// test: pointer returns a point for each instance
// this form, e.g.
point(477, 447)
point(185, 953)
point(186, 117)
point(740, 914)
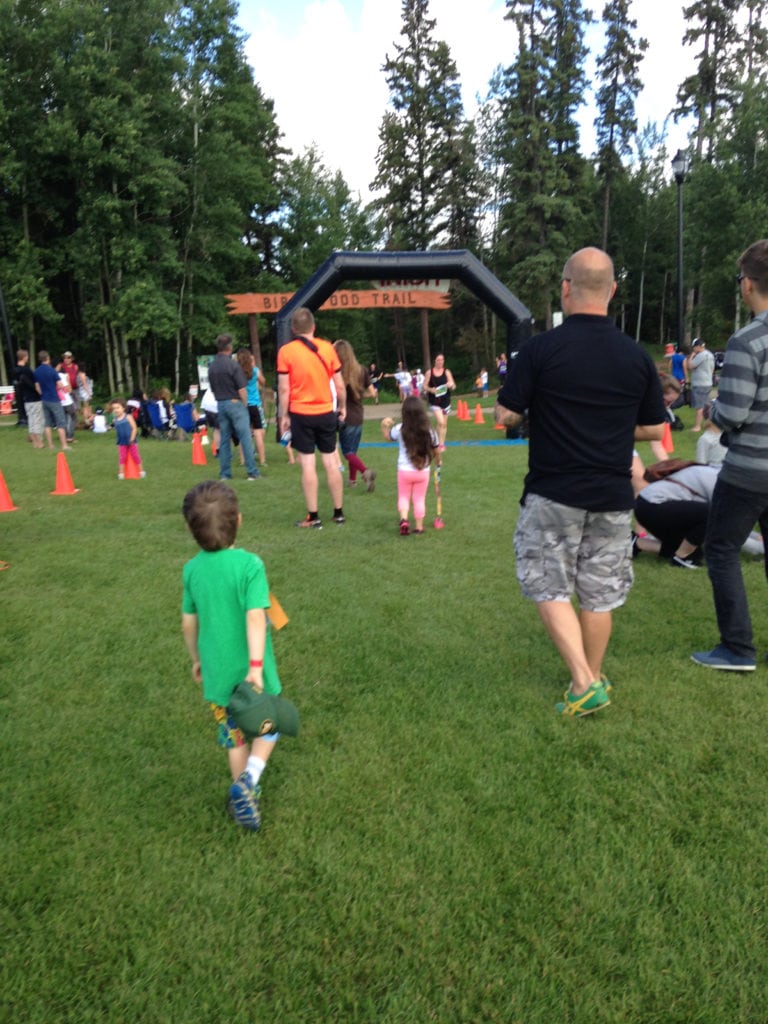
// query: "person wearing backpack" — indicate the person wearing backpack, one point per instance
point(312, 402)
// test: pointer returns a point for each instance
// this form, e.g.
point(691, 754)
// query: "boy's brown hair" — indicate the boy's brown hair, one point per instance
point(212, 514)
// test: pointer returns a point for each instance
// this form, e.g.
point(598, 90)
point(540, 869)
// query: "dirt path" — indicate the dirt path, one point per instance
point(378, 412)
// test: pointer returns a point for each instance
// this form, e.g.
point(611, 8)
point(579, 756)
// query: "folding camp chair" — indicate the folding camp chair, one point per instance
point(185, 424)
point(160, 427)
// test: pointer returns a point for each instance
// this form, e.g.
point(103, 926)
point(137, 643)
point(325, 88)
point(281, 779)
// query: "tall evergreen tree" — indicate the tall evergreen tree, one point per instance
point(709, 94)
point(727, 95)
point(426, 157)
point(546, 177)
point(752, 48)
point(616, 123)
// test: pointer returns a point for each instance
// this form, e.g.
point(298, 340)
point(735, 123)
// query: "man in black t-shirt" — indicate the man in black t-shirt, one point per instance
point(590, 392)
point(28, 402)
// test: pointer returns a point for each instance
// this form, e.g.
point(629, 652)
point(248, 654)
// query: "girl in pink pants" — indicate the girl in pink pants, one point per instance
point(125, 428)
point(418, 445)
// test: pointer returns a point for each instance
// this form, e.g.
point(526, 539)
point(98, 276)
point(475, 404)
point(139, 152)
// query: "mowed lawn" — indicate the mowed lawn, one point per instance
point(438, 845)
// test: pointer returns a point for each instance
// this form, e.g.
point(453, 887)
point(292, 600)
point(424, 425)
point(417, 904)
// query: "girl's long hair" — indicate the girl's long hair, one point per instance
point(244, 356)
point(416, 432)
point(351, 370)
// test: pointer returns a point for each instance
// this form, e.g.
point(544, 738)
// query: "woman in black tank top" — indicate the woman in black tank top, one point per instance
point(438, 385)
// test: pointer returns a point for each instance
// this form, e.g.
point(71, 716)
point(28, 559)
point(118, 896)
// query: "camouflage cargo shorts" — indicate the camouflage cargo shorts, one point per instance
point(562, 551)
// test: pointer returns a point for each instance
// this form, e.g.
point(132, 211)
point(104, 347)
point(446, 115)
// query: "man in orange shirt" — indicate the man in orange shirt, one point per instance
point(311, 400)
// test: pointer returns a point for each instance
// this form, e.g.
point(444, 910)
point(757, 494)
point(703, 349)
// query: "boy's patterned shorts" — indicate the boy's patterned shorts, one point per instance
point(229, 736)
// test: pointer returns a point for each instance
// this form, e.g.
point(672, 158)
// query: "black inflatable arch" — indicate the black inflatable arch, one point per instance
point(365, 266)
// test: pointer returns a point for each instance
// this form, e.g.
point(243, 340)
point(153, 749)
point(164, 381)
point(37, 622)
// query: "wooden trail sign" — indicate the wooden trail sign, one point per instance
point(373, 298)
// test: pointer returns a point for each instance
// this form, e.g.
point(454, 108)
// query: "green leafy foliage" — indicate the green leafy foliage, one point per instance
point(144, 178)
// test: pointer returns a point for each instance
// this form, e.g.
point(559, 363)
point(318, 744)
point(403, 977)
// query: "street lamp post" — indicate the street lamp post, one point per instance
point(679, 169)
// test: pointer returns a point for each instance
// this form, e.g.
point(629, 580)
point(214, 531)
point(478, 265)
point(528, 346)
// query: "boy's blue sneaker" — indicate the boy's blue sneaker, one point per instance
point(244, 803)
point(723, 657)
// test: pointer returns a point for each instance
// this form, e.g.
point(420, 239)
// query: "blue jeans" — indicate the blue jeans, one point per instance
point(349, 439)
point(234, 419)
point(732, 517)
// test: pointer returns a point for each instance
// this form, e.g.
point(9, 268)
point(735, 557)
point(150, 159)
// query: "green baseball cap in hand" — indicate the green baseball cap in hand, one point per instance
point(260, 713)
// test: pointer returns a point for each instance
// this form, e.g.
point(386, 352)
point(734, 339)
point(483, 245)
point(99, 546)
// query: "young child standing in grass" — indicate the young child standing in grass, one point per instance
point(224, 624)
point(418, 446)
point(125, 428)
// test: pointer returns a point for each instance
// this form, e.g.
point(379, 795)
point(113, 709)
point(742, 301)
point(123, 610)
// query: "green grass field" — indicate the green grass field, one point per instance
point(438, 846)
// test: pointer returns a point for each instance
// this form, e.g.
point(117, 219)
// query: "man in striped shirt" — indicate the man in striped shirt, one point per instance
point(741, 494)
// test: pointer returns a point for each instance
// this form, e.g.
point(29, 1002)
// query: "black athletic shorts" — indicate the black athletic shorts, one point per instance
point(313, 432)
point(254, 412)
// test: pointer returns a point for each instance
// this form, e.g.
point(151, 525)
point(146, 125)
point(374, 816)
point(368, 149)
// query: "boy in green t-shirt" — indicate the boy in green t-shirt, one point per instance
point(224, 624)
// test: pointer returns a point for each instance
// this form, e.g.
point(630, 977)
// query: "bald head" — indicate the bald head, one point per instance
point(588, 283)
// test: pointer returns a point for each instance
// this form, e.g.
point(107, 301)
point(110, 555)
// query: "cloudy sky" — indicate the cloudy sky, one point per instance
point(320, 61)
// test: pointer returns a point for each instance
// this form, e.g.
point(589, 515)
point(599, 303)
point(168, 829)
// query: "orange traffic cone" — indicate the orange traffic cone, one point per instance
point(460, 409)
point(6, 505)
point(666, 441)
point(64, 483)
point(198, 455)
point(479, 414)
point(130, 468)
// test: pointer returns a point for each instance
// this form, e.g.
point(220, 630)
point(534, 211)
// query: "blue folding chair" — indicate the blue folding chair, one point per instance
point(160, 428)
point(184, 421)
